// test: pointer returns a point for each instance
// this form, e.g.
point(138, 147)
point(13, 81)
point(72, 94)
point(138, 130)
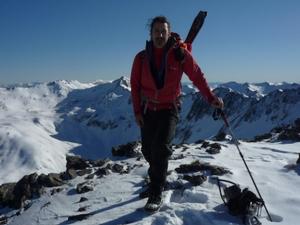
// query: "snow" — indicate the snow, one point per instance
point(42, 122)
point(115, 197)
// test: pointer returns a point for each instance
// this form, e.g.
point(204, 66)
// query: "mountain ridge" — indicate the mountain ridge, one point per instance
point(88, 119)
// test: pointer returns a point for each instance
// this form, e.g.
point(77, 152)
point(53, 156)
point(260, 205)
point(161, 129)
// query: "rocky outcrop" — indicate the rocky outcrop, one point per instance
point(84, 187)
point(132, 149)
point(282, 133)
point(198, 166)
point(14, 195)
point(77, 163)
point(3, 220)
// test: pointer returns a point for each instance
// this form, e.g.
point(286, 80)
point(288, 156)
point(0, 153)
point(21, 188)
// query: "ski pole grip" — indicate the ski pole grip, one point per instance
point(220, 113)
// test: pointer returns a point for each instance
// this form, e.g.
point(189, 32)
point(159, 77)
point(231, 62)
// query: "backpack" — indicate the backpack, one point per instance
point(240, 202)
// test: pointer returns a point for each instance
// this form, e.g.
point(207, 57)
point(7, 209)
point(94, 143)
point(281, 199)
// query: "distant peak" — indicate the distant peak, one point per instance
point(123, 82)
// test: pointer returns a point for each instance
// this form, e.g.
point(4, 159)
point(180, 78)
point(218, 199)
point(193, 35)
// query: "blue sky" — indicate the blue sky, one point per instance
point(88, 40)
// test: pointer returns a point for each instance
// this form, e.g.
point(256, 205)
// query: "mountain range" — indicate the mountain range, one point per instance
point(41, 122)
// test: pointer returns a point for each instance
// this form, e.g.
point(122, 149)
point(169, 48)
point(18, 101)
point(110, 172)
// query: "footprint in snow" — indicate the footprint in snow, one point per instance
point(187, 196)
point(275, 218)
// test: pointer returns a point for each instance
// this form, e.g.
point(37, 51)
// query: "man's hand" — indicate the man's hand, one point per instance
point(139, 120)
point(218, 103)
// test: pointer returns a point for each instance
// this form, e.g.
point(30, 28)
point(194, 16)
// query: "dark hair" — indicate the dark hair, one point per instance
point(158, 19)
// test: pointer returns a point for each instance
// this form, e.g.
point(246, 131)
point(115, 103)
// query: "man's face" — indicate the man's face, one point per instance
point(160, 34)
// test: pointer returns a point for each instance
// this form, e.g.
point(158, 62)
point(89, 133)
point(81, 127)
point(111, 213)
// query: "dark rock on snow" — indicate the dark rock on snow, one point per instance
point(3, 219)
point(102, 172)
point(195, 180)
point(50, 180)
point(84, 187)
point(77, 163)
point(198, 166)
point(129, 150)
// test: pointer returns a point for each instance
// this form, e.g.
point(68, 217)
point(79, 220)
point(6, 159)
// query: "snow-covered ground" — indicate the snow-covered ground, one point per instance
point(115, 197)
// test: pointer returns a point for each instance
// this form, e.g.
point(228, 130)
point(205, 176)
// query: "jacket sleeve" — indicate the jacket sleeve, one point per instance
point(193, 71)
point(135, 82)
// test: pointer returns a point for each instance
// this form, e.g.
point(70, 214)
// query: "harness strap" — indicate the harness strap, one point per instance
point(146, 100)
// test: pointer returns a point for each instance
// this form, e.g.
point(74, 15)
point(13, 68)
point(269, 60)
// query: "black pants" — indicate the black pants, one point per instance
point(157, 134)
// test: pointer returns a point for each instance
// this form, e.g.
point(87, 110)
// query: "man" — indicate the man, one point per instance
point(155, 89)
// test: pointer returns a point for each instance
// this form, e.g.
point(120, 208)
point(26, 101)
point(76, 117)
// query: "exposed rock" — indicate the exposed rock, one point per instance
point(128, 150)
point(69, 174)
point(76, 162)
point(176, 146)
point(82, 209)
point(205, 144)
point(90, 176)
point(195, 180)
point(84, 172)
point(84, 187)
point(99, 162)
point(117, 168)
point(198, 166)
point(298, 160)
point(212, 148)
point(262, 137)
point(83, 199)
point(213, 151)
point(102, 172)
point(218, 170)
point(25, 189)
point(289, 134)
point(15, 194)
point(3, 219)
point(50, 180)
point(104, 125)
point(221, 136)
point(282, 133)
point(56, 190)
point(184, 149)
point(6, 194)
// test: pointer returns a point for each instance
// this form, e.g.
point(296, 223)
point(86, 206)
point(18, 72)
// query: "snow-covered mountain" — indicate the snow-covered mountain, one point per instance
point(41, 122)
point(249, 115)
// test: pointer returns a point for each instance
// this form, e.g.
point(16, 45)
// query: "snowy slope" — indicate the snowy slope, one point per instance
point(27, 128)
point(114, 199)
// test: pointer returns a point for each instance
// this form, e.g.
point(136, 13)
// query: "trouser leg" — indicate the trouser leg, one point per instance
point(157, 134)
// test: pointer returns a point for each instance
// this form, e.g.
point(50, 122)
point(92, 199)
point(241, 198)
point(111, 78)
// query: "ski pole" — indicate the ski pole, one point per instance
point(220, 112)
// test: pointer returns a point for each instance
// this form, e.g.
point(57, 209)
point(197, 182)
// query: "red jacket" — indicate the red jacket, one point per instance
point(143, 86)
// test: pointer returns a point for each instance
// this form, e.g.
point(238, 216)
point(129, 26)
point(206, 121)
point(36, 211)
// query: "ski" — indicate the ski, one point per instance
point(195, 27)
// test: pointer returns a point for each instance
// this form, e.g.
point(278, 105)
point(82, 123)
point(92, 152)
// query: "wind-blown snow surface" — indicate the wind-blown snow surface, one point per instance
point(41, 122)
point(115, 197)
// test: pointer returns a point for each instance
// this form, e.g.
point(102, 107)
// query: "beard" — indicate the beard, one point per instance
point(159, 42)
